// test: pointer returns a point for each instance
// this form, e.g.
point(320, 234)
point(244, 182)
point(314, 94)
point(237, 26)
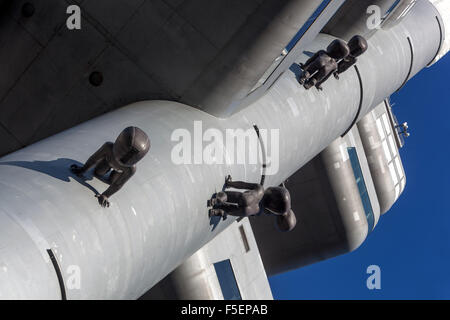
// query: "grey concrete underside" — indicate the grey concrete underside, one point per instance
point(353, 16)
point(200, 52)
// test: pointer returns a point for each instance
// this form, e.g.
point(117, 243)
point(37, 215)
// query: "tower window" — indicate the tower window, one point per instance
point(227, 280)
point(244, 238)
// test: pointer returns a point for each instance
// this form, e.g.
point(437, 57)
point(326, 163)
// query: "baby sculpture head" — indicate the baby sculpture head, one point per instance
point(338, 49)
point(131, 146)
point(277, 200)
point(358, 45)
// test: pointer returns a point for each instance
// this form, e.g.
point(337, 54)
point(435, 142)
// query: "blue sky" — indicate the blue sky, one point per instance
point(411, 243)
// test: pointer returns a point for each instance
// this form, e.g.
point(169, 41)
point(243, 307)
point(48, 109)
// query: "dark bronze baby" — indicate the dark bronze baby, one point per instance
point(323, 64)
point(358, 45)
point(118, 159)
point(255, 200)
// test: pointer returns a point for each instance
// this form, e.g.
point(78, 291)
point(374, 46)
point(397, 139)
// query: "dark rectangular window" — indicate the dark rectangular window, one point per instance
point(362, 187)
point(244, 238)
point(227, 280)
